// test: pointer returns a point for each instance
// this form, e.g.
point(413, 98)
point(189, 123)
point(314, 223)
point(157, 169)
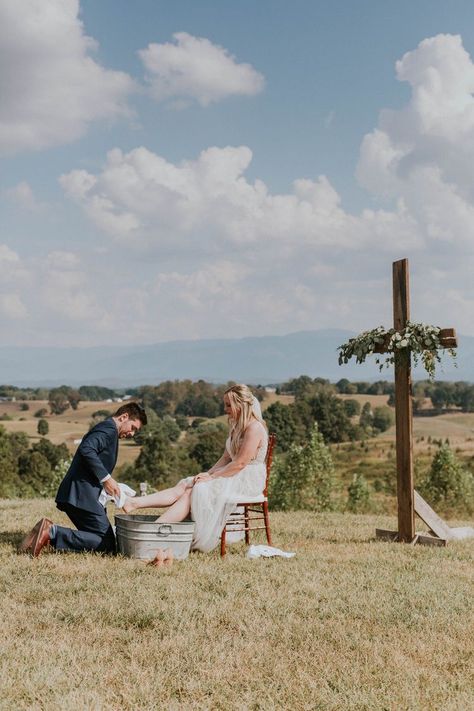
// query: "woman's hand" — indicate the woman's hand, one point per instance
point(203, 476)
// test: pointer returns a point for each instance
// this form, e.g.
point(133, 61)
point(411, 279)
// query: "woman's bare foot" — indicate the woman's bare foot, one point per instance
point(158, 559)
point(128, 505)
point(169, 557)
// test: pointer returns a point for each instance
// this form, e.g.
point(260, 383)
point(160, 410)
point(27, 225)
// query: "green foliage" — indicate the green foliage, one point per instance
point(42, 412)
point(352, 407)
point(285, 422)
point(305, 478)
point(383, 418)
point(63, 397)
point(366, 418)
point(49, 489)
point(329, 412)
point(96, 393)
point(58, 402)
point(184, 397)
point(208, 444)
point(448, 484)
point(160, 462)
point(358, 494)
point(418, 339)
point(43, 427)
point(102, 414)
point(24, 407)
point(5, 417)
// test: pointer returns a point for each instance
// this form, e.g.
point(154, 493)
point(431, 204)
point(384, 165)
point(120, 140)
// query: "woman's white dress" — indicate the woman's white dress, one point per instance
point(211, 501)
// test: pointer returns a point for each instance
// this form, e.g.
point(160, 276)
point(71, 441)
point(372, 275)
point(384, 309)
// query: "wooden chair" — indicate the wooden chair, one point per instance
point(241, 520)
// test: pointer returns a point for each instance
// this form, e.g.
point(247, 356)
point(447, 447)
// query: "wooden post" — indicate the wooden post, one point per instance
point(403, 407)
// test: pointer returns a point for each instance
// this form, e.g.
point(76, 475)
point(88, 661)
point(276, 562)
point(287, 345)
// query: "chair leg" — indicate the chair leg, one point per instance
point(246, 519)
point(223, 541)
point(267, 522)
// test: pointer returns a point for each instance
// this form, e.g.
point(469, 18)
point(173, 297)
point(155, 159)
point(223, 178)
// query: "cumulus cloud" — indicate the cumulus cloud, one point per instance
point(423, 154)
point(51, 86)
point(208, 205)
point(220, 254)
point(193, 68)
point(22, 196)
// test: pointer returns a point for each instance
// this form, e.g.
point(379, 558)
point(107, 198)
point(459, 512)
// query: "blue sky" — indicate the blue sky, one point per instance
point(255, 173)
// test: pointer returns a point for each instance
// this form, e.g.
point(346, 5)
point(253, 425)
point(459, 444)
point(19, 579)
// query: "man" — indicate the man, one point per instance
point(78, 494)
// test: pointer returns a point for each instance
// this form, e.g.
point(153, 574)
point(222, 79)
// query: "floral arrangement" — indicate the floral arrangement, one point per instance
point(420, 340)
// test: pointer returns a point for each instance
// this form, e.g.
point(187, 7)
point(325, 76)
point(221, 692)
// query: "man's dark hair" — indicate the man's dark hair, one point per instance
point(134, 410)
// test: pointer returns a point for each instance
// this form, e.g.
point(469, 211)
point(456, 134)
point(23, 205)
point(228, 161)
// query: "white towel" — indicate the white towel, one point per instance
point(119, 501)
point(267, 552)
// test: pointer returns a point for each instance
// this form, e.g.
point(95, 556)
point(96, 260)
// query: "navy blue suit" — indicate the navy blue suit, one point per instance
point(79, 491)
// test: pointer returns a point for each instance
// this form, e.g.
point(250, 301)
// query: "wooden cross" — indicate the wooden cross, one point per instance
point(403, 405)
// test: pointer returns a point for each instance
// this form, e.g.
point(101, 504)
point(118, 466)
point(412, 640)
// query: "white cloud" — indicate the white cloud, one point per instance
point(51, 87)
point(12, 307)
point(22, 196)
point(208, 206)
point(424, 153)
point(194, 68)
point(197, 249)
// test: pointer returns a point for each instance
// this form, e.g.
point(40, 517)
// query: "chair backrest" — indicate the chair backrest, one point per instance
point(268, 460)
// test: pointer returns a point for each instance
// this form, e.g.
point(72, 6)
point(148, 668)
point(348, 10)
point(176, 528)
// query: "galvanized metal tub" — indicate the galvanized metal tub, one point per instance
point(141, 536)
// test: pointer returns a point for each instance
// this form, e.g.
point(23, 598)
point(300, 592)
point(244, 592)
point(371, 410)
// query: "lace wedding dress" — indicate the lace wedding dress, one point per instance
point(210, 505)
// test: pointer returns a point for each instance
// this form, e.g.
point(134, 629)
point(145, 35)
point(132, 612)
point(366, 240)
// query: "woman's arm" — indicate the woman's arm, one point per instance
point(248, 448)
point(225, 459)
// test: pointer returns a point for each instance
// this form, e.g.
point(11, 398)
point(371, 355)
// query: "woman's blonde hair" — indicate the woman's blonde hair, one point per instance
point(241, 402)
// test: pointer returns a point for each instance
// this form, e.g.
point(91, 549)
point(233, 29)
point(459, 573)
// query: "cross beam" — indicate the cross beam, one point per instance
point(403, 402)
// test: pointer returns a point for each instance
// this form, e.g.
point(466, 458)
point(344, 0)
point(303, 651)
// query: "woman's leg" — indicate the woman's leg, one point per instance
point(167, 497)
point(179, 510)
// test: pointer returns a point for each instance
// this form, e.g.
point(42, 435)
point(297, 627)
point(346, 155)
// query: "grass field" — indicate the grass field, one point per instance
point(349, 623)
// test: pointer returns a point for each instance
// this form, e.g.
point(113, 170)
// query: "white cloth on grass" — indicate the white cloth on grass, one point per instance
point(119, 501)
point(267, 552)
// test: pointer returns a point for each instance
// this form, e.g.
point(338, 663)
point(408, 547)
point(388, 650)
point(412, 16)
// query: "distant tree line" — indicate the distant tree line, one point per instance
point(317, 401)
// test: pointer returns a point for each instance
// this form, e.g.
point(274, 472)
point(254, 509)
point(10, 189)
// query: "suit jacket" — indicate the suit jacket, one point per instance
point(95, 457)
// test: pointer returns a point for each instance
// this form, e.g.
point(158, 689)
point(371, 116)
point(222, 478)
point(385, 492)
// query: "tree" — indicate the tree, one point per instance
point(329, 412)
point(43, 427)
point(448, 483)
point(53, 453)
point(10, 483)
point(305, 478)
point(58, 401)
point(352, 407)
point(74, 398)
point(283, 420)
point(366, 416)
point(34, 471)
point(383, 418)
point(358, 494)
point(209, 445)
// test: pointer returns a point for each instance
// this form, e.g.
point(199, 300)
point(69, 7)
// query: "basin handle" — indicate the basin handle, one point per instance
point(164, 530)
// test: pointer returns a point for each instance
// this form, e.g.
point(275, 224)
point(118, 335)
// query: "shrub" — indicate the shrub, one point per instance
point(358, 494)
point(43, 427)
point(383, 418)
point(448, 483)
point(42, 412)
point(305, 478)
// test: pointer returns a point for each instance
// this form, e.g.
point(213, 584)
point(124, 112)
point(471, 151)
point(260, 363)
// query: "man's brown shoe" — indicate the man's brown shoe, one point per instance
point(42, 537)
point(31, 540)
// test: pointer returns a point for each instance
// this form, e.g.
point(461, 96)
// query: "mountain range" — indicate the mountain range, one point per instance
point(265, 360)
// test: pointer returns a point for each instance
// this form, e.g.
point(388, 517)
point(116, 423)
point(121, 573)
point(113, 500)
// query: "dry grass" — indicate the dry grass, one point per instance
point(69, 426)
point(350, 623)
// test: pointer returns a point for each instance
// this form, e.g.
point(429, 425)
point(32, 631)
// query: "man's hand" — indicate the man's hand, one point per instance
point(111, 487)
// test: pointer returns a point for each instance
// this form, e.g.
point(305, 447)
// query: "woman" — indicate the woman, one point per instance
point(239, 473)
